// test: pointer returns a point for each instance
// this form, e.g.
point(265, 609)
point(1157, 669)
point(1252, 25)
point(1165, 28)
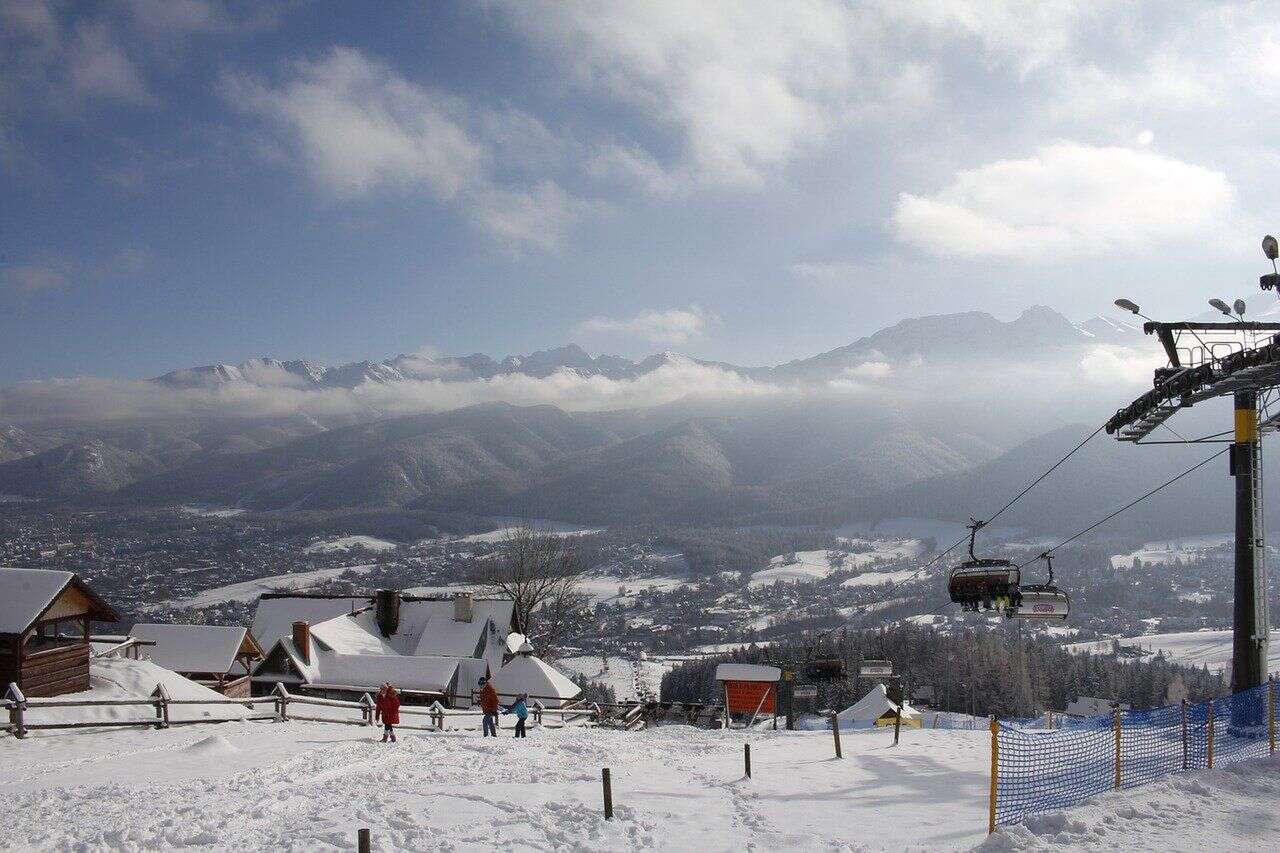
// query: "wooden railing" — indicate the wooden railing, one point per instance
point(283, 704)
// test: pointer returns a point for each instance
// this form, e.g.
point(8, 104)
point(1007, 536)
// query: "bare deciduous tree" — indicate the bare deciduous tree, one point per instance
point(541, 574)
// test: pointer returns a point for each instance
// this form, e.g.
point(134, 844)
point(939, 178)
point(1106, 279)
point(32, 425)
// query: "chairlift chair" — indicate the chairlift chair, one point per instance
point(825, 669)
point(983, 584)
point(1040, 601)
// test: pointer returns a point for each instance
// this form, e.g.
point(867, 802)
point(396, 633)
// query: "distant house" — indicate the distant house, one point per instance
point(44, 630)
point(221, 657)
point(877, 709)
point(432, 649)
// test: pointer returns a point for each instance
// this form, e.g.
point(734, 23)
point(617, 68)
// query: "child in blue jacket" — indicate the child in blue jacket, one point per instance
point(520, 708)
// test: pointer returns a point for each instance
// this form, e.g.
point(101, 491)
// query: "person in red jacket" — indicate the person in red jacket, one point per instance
point(489, 704)
point(387, 708)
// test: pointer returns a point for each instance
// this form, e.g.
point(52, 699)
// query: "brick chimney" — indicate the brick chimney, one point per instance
point(463, 606)
point(388, 611)
point(302, 639)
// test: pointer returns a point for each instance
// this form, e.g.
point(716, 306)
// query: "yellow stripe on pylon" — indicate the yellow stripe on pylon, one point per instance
point(1246, 425)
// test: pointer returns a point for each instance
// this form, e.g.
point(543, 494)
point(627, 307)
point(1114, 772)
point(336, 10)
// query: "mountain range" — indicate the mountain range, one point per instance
point(802, 454)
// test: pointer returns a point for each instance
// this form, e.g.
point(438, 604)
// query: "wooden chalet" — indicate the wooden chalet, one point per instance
point(221, 657)
point(44, 630)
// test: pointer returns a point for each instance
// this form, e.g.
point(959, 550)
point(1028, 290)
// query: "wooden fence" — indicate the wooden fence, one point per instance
point(24, 713)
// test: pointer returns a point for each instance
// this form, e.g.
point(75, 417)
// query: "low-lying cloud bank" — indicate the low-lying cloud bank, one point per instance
point(1118, 369)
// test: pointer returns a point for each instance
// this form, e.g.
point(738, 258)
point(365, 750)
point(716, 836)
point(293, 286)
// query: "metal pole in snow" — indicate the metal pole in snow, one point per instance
point(746, 758)
point(362, 840)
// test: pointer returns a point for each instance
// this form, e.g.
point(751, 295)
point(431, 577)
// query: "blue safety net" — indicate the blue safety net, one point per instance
point(1040, 769)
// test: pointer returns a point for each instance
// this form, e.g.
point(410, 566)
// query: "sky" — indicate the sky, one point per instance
point(188, 181)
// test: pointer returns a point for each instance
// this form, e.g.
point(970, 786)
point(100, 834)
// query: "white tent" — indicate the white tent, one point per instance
point(542, 682)
point(875, 705)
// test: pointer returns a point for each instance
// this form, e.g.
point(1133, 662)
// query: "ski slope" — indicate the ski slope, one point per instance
point(1193, 648)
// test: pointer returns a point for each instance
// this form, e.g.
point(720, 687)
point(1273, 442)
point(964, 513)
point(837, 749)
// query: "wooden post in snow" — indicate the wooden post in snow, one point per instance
point(995, 775)
point(835, 732)
point(1115, 714)
point(1184, 733)
point(607, 784)
point(363, 844)
point(162, 706)
point(746, 758)
point(282, 703)
point(17, 710)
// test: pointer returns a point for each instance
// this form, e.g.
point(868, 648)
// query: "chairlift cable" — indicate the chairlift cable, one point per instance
point(1052, 468)
point(1131, 503)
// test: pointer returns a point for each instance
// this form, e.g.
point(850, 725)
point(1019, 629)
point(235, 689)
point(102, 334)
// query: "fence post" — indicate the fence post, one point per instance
point(995, 771)
point(537, 711)
point(362, 841)
point(835, 730)
point(1184, 734)
point(366, 709)
point(607, 784)
point(437, 714)
point(17, 710)
point(1209, 735)
point(162, 706)
point(1116, 715)
point(282, 703)
point(1271, 712)
point(746, 758)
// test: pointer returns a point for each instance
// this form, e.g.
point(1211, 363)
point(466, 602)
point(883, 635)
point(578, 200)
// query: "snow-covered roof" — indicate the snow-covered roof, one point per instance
point(25, 594)
point(873, 706)
point(275, 615)
point(537, 678)
point(747, 672)
point(192, 648)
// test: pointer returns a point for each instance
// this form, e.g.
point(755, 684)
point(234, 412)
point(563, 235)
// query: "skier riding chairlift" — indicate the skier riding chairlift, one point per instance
point(983, 584)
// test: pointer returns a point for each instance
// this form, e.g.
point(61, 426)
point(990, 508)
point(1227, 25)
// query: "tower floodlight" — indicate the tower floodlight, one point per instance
point(1240, 306)
point(1127, 305)
point(1219, 305)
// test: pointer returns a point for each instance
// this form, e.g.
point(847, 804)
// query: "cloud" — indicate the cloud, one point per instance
point(359, 128)
point(33, 278)
point(1065, 200)
point(60, 272)
point(745, 91)
point(97, 66)
point(674, 326)
point(100, 400)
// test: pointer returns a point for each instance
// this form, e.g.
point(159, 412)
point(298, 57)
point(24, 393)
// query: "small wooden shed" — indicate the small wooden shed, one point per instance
point(44, 630)
point(221, 657)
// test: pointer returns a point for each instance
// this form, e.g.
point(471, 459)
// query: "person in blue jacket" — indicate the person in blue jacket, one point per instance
point(520, 708)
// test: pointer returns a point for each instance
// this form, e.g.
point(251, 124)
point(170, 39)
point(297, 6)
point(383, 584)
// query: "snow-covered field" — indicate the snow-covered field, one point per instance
point(816, 565)
point(1167, 551)
point(1194, 648)
point(544, 527)
point(251, 590)
point(308, 786)
point(346, 543)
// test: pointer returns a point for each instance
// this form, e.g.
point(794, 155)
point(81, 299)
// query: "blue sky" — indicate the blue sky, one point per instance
point(185, 181)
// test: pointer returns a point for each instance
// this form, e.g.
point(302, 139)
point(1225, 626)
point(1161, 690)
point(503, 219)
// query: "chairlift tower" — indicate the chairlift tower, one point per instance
point(1240, 359)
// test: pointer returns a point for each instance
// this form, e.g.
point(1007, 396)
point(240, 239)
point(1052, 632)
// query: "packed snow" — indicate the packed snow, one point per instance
point(348, 543)
point(308, 786)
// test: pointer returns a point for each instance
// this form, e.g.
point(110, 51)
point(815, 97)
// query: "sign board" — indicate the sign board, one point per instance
point(876, 669)
point(749, 697)
point(805, 691)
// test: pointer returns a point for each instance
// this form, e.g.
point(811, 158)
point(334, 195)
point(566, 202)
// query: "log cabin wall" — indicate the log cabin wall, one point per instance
point(54, 671)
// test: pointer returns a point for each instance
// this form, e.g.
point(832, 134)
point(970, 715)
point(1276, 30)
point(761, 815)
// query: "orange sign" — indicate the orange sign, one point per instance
point(744, 697)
